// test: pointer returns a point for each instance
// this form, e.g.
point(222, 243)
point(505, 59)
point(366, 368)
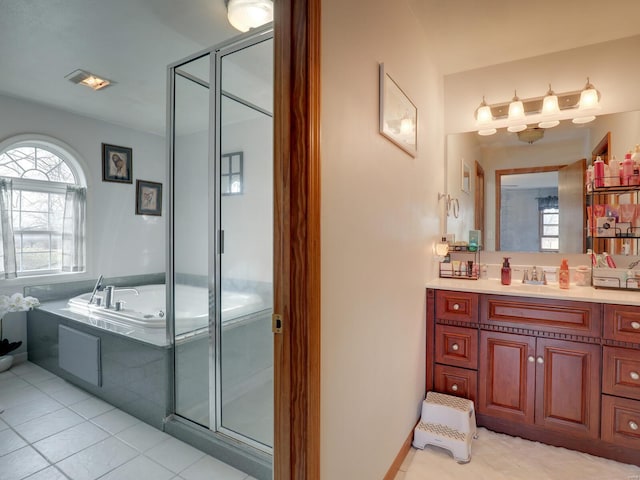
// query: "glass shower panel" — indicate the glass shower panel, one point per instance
point(246, 266)
point(190, 241)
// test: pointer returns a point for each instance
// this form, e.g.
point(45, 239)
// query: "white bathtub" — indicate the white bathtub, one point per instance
point(148, 309)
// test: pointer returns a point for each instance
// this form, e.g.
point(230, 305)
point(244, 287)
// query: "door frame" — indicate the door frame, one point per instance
point(297, 239)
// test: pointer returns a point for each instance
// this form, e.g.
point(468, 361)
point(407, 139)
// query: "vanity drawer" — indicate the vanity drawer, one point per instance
point(621, 421)
point(456, 381)
point(622, 323)
point(460, 306)
point(457, 346)
point(554, 316)
point(621, 372)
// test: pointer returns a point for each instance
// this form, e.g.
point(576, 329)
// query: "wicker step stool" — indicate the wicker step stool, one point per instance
point(448, 422)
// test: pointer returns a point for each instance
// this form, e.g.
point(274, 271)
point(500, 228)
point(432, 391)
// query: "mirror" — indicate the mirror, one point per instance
point(491, 158)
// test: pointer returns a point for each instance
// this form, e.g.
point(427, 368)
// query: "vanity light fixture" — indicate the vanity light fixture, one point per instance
point(550, 109)
point(88, 79)
point(580, 106)
point(516, 115)
point(247, 14)
point(589, 101)
point(483, 118)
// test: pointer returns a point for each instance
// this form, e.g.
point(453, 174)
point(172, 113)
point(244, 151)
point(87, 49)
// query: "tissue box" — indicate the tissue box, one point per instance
point(605, 227)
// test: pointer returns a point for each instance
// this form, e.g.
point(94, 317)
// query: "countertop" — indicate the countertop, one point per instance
point(575, 293)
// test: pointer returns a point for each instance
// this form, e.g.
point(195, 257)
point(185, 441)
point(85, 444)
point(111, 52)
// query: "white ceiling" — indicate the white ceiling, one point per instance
point(133, 41)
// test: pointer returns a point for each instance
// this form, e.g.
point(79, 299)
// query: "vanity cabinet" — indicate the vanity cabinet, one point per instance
point(561, 372)
point(546, 382)
point(456, 344)
point(621, 376)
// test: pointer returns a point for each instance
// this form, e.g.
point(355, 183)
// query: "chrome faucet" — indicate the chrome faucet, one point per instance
point(109, 294)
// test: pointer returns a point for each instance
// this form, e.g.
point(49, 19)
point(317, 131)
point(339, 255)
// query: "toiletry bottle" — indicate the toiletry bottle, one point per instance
point(614, 172)
point(563, 275)
point(635, 158)
point(506, 272)
point(627, 169)
point(598, 172)
point(609, 260)
point(607, 175)
point(589, 178)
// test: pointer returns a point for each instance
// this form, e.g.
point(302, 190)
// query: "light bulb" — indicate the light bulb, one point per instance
point(516, 115)
point(483, 114)
point(550, 108)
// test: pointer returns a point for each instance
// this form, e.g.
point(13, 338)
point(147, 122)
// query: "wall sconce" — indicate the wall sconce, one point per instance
point(247, 14)
point(580, 106)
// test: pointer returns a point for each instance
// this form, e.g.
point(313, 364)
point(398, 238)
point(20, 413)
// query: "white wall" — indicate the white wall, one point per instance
point(119, 241)
point(462, 148)
point(379, 221)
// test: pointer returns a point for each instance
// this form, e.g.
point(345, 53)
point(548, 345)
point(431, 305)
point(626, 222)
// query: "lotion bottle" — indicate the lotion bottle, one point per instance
point(614, 172)
point(627, 170)
point(598, 172)
point(505, 275)
point(563, 275)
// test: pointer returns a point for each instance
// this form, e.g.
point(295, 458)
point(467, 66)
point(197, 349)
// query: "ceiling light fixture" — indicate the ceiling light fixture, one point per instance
point(530, 135)
point(247, 14)
point(88, 79)
point(580, 106)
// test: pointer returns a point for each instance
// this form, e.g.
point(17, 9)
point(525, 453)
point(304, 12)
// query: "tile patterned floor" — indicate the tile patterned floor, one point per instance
point(500, 457)
point(51, 430)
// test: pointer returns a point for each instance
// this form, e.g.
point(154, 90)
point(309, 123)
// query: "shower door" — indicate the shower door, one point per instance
point(244, 179)
point(221, 248)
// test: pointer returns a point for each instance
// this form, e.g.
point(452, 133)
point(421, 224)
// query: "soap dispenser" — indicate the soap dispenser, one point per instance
point(506, 272)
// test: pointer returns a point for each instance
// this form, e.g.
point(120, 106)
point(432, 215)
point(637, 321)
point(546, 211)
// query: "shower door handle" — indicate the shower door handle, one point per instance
point(221, 241)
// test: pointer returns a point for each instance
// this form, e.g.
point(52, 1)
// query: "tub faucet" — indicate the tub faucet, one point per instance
point(109, 294)
point(96, 289)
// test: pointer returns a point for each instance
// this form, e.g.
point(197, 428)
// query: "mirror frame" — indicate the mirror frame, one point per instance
point(498, 193)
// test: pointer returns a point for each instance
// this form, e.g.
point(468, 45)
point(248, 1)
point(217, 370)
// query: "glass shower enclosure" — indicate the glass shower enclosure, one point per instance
point(220, 260)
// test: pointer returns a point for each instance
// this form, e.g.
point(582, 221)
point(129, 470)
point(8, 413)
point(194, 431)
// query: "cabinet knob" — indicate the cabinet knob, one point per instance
point(454, 387)
point(540, 360)
point(635, 325)
point(635, 375)
point(633, 425)
point(531, 358)
point(457, 307)
point(455, 347)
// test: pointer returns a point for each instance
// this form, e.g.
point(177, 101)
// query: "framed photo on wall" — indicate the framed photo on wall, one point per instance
point(117, 164)
point(398, 115)
point(148, 198)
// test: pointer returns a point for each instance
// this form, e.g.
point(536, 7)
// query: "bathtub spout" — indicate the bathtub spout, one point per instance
point(97, 288)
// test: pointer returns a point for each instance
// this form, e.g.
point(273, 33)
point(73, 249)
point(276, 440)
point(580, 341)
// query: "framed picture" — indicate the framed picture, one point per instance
point(117, 164)
point(148, 198)
point(465, 186)
point(398, 115)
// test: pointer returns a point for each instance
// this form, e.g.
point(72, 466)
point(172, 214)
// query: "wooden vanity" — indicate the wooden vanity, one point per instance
point(562, 372)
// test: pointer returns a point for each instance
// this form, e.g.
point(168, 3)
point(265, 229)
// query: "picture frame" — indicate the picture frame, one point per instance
point(398, 114)
point(465, 177)
point(148, 198)
point(117, 164)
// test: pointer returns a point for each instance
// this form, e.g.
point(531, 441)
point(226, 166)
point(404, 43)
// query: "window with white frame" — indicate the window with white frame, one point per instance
point(550, 229)
point(42, 210)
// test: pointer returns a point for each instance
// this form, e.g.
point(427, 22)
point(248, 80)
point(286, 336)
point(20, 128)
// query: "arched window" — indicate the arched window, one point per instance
point(42, 208)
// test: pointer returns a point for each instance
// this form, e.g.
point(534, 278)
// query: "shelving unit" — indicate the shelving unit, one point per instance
point(613, 226)
point(457, 265)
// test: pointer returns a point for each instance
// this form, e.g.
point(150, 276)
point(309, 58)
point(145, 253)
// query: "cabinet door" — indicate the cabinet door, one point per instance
point(459, 382)
point(507, 376)
point(568, 386)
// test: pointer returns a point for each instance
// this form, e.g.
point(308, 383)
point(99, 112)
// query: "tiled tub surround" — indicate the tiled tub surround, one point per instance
point(136, 372)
